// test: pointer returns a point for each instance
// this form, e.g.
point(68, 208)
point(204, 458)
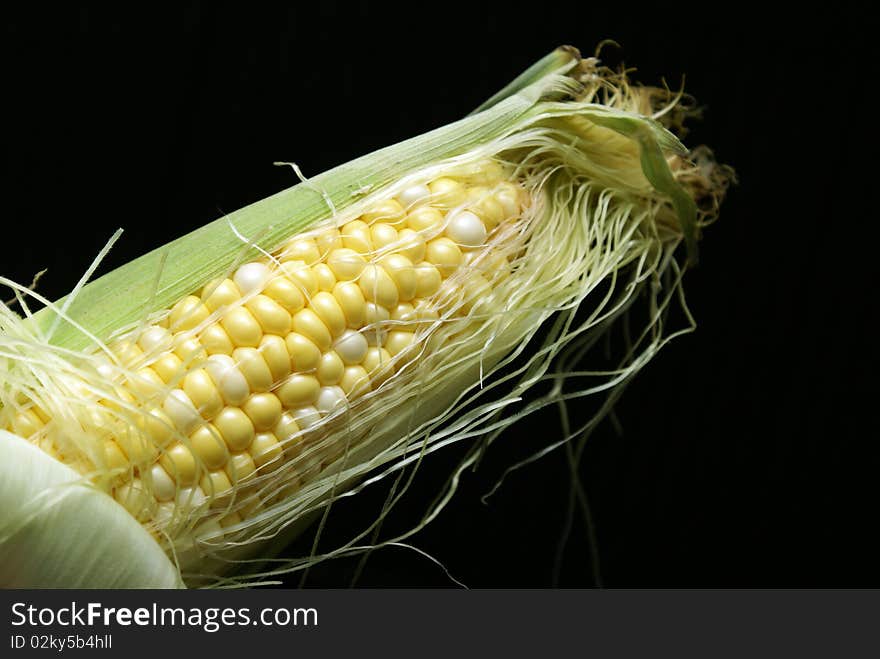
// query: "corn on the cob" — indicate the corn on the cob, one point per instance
point(235, 412)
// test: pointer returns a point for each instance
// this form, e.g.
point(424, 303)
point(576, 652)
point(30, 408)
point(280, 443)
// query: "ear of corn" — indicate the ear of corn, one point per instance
point(227, 387)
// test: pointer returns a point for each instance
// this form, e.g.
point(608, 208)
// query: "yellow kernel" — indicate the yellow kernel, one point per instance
point(383, 235)
point(411, 245)
point(310, 325)
point(208, 446)
point(215, 484)
point(187, 314)
point(286, 430)
point(376, 359)
point(301, 249)
point(114, 458)
point(398, 341)
point(444, 255)
point(330, 369)
point(285, 293)
point(401, 271)
point(346, 264)
point(136, 499)
point(356, 236)
point(240, 467)
point(190, 350)
point(264, 410)
point(304, 354)
point(378, 286)
point(274, 351)
point(428, 279)
point(266, 450)
point(327, 241)
point(490, 211)
point(508, 195)
point(446, 192)
point(146, 382)
point(475, 291)
point(329, 311)
point(403, 312)
point(229, 520)
point(254, 368)
point(157, 427)
point(155, 340)
point(164, 488)
point(127, 353)
point(425, 218)
point(169, 367)
point(389, 212)
point(180, 464)
point(269, 314)
point(216, 340)
point(220, 293)
point(324, 275)
point(235, 427)
point(203, 393)
point(301, 274)
point(298, 390)
point(355, 381)
point(242, 328)
point(351, 301)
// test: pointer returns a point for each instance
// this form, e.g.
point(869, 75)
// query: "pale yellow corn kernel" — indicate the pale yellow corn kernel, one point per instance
point(208, 446)
point(26, 423)
point(240, 467)
point(250, 505)
point(203, 393)
point(169, 367)
point(402, 273)
point(187, 314)
point(254, 368)
point(346, 264)
point(425, 313)
point(235, 427)
point(356, 236)
point(414, 195)
point(216, 340)
point(242, 328)
point(215, 484)
point(304, 354)
point(180, 464)
point(444, 255)
point(351, 300)
point(382, 235)
point(145, 382)
point(230, 519)
point(154, 340)
point(285, 293)
point(425, 218)
point(114, 458)
point(351, 347)
point(127, 353)
point(328, 240)
point(490, 210)
point(301, 249)
point(264, 411)
point(157, 427)
point(375, 317)
point(330, 369)
point(301, 274)
point(288, 433)
point(508, 195)
point(298, 390)
point(331, 400)
point(428, 279)
point(266, 451)
point(378, 286)
point(476, 291)
point(329, 311)
point(465, 229)
point(163, 485)
point(355, 381)
point(229, 379)
point(136, 499)
point(398, 341)
point(220, 293)
point(274, 351)
point(388, 211)
point(190, 350)
point(324, 275)
point(376, 360)
point(140, 449)
point(163, 321)
point(446, 192)
point(403, 312)
point(271, 316)
point(411, 244)
point(310, 325)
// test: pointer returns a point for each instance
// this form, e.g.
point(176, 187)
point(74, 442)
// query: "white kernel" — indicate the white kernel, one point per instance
point(182, 412)
point(251, 277)
point(306, 417)
point(155, 339)
point(351, 347)
point(163, 485)
point(413, 195)
point(466, 229)
point(330, 400)
point(229, 379)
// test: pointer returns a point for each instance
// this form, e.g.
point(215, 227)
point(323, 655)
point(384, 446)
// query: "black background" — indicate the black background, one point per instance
point(748, 453)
